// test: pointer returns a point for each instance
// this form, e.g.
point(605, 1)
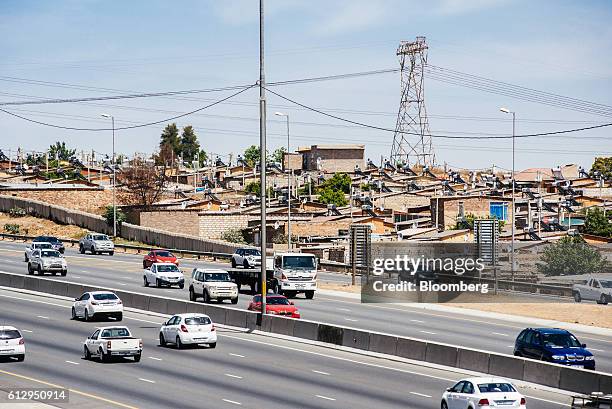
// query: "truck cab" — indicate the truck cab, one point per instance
point(294, 273)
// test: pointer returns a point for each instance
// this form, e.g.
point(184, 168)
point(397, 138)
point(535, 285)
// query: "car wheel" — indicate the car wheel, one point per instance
point(119, 317)
point(103, 357)
point(64, 272)
point(39, 270)
point(577, 296)
point(277, 288)
point(137, 358)
point(212, 345)
point(309, 294)
point(81, 249)
point(206, 297)
point(245, 264)
point(54, 273)
point(233, 263)
point(144, 265)
point(444, 405)
point(74, 317)
point(30, 271)
point(25, 256)
point(179, 344)
point(603, 299)
point(110, 253)
point(518, 354)
point(235, 300)
point(157, 283)
point(146, 282)
point(20, 357)
point(86, 352)
point(192, 296)
point(86, 316)
point(162, 340)
point(182, 285)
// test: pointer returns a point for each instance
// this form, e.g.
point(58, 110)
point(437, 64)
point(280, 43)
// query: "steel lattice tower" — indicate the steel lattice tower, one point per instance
point(412, 138)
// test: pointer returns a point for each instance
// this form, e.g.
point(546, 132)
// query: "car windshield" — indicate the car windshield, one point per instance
point(496, 387)
point(43, 246)
point(198, 321)
point(298, 262)
point(606, 283)
point(251, 252)
point(50, 253)
point(47, 239)
point(167, 268)
point(560, 340)
point(9, 334)
point(115, 333)
point(277, 301)
point(100, 237)
point(216, 277)
point(105, 296)
point(164, 254)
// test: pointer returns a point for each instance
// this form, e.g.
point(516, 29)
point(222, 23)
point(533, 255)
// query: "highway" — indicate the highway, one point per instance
point(124, 272)
point(245, 370)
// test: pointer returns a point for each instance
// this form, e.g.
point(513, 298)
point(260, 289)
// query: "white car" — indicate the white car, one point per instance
point(108, 342)
point(12, 343)
point(96, 304)
point(188, 329)
point(163, 274)
point(247, 258)
point(47, 261)
point(486, 392)
point(39, 245)
point(212, 284)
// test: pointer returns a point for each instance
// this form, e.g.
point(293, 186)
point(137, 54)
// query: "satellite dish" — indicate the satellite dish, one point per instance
point(276, 225)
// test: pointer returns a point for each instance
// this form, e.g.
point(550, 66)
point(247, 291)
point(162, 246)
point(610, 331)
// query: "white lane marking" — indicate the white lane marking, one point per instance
point(324, 397)
point(155, 358)
point(122, 283)
point(596, 350)
point(231, 401)
point(420, 394)
point(43, 317)
point(510, 346)
point(320, 372)
point(419, 321)
point(428, 332)
point(233, 376)
point(26, 330)
point(344, 309)
point(73, 363)
point(77, 276)
point(549, 401)
point(351, 319)
point(238, 355)
point(146, 380)
point(500, 334)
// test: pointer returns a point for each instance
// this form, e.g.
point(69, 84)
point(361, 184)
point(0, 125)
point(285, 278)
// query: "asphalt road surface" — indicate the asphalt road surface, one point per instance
point(124, 272)
point(245, 370)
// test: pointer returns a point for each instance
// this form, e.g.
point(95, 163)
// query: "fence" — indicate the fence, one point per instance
point(543, 373)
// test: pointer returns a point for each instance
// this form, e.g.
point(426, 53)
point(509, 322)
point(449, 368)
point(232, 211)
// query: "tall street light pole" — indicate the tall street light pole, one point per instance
point(288, 184)
point(262, 156)
point(114, 176)
point(507, 111)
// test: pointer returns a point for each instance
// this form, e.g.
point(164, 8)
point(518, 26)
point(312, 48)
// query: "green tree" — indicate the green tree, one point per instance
point(254, 188)
point(251, 155)
point(328, 196)
point(570, 256)
point(189, 145)
point(278, 155)
point(108, 215)
point(233, 236)
point(60, 151)
point(604, 166)
point(597, 223)
point(170, 137)
point(340, 182)
point(202, 157)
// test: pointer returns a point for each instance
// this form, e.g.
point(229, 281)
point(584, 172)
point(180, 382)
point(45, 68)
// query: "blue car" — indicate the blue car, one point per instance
point(553, 345)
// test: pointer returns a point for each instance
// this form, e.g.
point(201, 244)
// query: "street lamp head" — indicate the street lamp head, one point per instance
point(106, 116)
point(280, 114)
point(505, 110)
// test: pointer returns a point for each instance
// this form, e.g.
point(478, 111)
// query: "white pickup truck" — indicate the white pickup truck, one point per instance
point(594, 289)
point(108, 342)
point(96, 243)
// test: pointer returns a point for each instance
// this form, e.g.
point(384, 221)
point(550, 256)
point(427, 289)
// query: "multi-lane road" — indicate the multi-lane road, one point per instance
point(124, 272)
point(245, 370)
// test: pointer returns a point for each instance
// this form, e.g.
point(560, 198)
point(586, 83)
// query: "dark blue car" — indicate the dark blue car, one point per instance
point(553, 345)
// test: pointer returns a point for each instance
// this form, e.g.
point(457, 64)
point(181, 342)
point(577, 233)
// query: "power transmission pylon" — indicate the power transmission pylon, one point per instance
point(412, 138)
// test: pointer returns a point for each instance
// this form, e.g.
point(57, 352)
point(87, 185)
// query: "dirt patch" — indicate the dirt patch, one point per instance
point(586, 314)
point(33, 226)
point(339, 287)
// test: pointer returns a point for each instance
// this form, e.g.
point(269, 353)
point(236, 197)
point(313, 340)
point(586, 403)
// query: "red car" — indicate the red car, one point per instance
point(275, 305)
point(159, 256)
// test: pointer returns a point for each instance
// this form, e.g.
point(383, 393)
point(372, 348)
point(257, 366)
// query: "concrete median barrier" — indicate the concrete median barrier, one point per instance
point(5, 280)
point(544, 374)
point(217, 314)
point(158, 304)
point(507, 366)
point(282, 325)
point(74, 290)
point(251, 322)
point(473, 360)
point(383, 344)
point(17, 281)
point(441, 354)
point(330, 334)
point(306, 330)
point(356, 338)
point(30, 283)
point(411, 348)
point(178, 307)
point(140, 302)
point(45, 286)
point(605, 384)
point(236, 318)
point(586, 382)
point(59, 288)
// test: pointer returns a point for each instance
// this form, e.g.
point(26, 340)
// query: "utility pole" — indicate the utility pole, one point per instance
point(114, 176)
point(262, 156)
point(507, 111)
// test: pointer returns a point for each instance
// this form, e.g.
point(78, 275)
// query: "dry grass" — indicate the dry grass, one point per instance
point(33, 226)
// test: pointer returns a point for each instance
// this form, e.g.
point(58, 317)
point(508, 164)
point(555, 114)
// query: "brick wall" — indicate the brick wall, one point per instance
point(478, 206)
point(90, 201)
point(176, 221)
point(213, 224)
point(402, 202)
point(334, 160)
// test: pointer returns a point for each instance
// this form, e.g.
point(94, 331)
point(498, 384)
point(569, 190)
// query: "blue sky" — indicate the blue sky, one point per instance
point(556, 46)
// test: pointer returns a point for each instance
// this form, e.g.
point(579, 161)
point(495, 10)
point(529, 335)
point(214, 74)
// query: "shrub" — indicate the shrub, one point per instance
point(12, 228)
point(571, 256)
point(108, 215)
point(17, 212)
point(233, 236)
